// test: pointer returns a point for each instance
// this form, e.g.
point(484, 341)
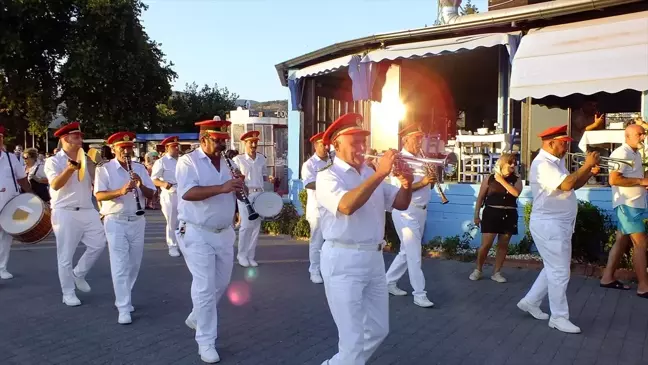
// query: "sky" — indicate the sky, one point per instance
point(237, 43)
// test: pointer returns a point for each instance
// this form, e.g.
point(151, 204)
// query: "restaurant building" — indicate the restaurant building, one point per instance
point(479, 85)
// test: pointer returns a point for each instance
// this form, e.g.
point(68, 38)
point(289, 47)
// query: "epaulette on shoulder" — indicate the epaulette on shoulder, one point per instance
point(328, 166)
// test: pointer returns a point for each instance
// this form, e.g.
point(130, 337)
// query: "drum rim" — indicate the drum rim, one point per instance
point(272, 217)
point(39, 218)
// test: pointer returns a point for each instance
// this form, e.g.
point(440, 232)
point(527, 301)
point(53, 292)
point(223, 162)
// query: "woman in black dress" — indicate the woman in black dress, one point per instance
point(498, 195)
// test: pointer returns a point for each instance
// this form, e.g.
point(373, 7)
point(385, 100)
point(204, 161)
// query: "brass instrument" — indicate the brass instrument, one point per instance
point(431, 170)
point(129, 167)
point(241, 195)
point(606, 162)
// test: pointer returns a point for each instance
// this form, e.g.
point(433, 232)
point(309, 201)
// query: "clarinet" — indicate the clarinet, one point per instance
point(242, 196)
point(140, 211)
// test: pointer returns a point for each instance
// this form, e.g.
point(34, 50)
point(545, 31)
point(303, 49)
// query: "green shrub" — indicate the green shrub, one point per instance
point(285, 222)
point(303, 198)
point(302, 228)
point(593, 232)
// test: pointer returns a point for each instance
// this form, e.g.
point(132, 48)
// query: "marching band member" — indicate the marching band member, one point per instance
point(163, 175)
point(253, 167)
point(353, 199)
point(315, 163)
point(629, 203)
point(552, 224)
point(410, 224)
point(206, 236)
point(74, 217)
point(12, 180)
point(116, 182)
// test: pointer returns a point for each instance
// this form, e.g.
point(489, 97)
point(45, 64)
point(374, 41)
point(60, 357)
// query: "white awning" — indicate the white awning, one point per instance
point(608, 54)
point(323, 68)
point(443, 46)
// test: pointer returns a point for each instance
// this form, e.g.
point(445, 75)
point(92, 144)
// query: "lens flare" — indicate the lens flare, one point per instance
point(251, 274)
point(238, 293)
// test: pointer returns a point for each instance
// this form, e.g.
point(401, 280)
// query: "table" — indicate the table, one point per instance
point(601, 137)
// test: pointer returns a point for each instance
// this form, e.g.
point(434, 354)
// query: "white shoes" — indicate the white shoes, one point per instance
point(81, 284)
point(498, 278)
point(124, 318)
point(423, 302)
point(253, 263)
point(476, 275)
point(316, 278)
point(208, 354)
point(5, 275)
point(563, 325)
point(394, 290)
point(243, 262)
point(191, 322)
point(71, 300)
point(174, 252)
point(536, 312)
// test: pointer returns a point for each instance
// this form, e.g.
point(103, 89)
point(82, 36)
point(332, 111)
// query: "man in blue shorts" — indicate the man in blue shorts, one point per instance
point(629, 202)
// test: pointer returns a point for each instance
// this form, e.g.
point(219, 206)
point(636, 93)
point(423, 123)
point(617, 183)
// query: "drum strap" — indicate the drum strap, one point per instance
point(12, 172)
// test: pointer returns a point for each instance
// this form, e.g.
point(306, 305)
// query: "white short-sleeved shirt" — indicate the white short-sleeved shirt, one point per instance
point(9, 181)
point(112, 176)
point(37, 171)
point(164, 169)
point(309, 173)
point(196, 169)
point(632, 196)
point(549, 202)
point(420, 197)
point(75, 193)
point(253, 169)
point(367, 224)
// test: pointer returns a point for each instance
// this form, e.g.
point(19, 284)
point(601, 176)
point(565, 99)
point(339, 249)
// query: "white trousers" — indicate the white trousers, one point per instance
point(409, 225)
point(5, 248)
point(248, 232)
point(553, 241)
point(315, 245)
point(126, 247)
point(72, 227)
point(169, 203)
point(210, 259)
point(356, 291)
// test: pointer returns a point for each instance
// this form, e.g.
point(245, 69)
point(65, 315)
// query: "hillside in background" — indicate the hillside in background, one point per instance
point(265, 106)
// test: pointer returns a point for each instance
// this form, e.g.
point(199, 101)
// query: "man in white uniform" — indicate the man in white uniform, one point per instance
point(315, 163)
point(12, 179)
point(163, 175)
point(552, 224)
point(253, 167)
point(410, 224)
point(206, 236)
point(629, 203)
point(116, 188)
point(74, 217)
point(353, 200)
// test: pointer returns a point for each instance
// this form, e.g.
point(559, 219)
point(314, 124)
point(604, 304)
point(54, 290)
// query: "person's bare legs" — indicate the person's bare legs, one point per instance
point(486, 244)
point(640, 242)
point(502, 249)
point(619, 247)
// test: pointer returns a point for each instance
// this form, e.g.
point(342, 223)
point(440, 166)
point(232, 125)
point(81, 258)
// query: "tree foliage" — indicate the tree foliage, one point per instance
point(90, 57)
point(469, 8)
point(183, 109)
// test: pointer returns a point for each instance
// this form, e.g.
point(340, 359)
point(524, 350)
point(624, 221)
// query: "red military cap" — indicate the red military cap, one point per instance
point(556, 133)
point(2, 130)
point(411, 130)
point(215, 128)
point(350, 123)
point(316, 137)
point(170, 141)
point(71, 128)
point(121, 139)
point(250, 136)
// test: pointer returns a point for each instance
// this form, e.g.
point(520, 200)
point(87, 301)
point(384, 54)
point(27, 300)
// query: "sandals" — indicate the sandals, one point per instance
point(616, 284)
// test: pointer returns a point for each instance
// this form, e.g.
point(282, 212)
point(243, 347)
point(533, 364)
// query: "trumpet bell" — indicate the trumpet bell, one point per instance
point(81, 159)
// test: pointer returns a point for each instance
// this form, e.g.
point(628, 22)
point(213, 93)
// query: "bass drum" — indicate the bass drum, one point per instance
point(27, 218)
point(268, 205)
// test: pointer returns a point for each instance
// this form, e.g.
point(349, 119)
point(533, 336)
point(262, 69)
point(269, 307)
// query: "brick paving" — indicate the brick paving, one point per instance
point(286, 320)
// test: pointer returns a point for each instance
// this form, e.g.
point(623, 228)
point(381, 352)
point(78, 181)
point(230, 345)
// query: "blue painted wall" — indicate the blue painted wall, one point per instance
point(294, 137)
point(454, 218)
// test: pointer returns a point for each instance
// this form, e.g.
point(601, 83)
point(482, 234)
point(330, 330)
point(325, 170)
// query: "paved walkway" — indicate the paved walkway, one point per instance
point(274, 315)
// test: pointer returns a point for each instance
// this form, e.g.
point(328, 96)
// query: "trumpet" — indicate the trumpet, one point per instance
point(606, 162)
point(241, 195)
point(129, 167)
